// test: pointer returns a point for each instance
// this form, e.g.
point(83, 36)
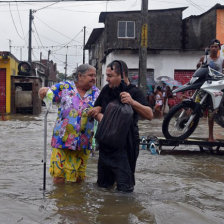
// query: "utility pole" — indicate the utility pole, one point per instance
point(30, 37)
point(21, 53)
point(48, 68)
point(66, 66)
point(84, 41)
point(143, 47)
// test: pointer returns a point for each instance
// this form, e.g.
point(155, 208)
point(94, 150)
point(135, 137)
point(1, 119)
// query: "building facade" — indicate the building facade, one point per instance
point(174, 44)
point(46, 70)
point(8, 67)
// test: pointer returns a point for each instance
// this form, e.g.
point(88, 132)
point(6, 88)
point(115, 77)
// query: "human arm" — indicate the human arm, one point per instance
point(42, 92)
point(142, 110)
point(223, 66)
point(101, 103)
point(200, 62)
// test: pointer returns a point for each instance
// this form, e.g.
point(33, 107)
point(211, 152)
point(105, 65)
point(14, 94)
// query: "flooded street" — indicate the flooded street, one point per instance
point(170, 189)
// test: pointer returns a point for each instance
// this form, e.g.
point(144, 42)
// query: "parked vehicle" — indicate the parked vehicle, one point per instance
point(182, 119)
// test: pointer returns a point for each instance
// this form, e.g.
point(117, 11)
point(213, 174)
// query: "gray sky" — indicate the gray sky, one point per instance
point(59, 26)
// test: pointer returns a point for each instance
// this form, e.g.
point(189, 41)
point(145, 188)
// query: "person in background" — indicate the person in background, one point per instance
point(163, 89)
point(73, 130)
point(169, 95)
point(216, 63)
point(158, 102)
point(118, 165)
point(150, 95)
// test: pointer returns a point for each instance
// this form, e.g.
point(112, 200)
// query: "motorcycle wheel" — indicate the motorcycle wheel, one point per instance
point(175, 122)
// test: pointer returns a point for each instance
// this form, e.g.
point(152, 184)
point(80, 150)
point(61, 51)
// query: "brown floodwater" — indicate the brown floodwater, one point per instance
point(170, 189)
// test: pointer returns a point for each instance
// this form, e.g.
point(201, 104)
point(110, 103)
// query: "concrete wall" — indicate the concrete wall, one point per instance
point(220, 25)
point(164, 30)
point(163, 64)
point(199, 30)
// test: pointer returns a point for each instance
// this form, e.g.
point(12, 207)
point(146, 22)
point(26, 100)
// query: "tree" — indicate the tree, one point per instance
point(61, 77)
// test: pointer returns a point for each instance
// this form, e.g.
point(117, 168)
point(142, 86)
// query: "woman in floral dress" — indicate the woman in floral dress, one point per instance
point(73, 130)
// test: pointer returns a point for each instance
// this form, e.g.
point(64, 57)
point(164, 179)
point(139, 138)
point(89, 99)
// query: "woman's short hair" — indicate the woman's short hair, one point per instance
point(81, 70)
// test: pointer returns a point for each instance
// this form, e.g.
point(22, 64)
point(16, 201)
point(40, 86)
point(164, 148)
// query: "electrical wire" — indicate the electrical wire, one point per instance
point(59, 44)
point(69, 41)
point(47, 6)
point(195, 5)
point(37, 33)
point(54, 29)
point(14, 23)
point(20, 21)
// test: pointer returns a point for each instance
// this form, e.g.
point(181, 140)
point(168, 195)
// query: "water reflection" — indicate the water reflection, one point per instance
point(170, 189)
point(86, 203)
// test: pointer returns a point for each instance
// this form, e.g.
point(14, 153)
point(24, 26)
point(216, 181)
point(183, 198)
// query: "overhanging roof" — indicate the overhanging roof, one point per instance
point(217, 6)
point(103, 15)
point(93, 37)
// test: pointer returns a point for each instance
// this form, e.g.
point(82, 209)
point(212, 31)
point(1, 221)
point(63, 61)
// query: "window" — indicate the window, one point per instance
point(126, 29)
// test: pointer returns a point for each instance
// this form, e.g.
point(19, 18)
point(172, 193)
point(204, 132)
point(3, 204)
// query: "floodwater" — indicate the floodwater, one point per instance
point(170, 189)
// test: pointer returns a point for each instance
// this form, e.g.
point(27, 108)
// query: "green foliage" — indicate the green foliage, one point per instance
point(61, 77)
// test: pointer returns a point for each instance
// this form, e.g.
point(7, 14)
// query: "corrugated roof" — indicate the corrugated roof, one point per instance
point(217, 6)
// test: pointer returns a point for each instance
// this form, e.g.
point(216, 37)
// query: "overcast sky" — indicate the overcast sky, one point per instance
point(59, 26)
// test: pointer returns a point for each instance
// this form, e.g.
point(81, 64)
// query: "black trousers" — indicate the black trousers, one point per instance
point(116, 166)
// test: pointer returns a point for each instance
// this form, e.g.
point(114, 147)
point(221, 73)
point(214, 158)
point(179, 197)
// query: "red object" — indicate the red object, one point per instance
point(171, 102)
point(2, 91)
point(183, 76)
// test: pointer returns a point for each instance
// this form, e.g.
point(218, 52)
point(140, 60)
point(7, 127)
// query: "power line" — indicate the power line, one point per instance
point(20, 21)
point(54, 29)
point(46, 6)
point(14, 23)
point(70, 55)
point(49, 39)
point(37, 33)
point(43, 1)
point(69, 41)
point(50, 46)
point(195, 5)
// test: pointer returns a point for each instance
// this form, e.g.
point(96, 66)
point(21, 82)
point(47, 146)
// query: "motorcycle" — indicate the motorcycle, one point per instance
point(183, 118)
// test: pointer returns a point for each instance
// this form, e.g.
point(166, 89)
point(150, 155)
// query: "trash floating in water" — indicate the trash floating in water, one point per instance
point(143, 143)
point(152, 148)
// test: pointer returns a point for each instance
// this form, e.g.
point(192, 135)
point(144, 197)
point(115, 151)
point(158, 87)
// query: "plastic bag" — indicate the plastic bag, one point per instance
point(48, 99)
point(113, 129)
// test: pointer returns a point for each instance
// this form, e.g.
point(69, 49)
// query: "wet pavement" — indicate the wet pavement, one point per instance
point(170, 189)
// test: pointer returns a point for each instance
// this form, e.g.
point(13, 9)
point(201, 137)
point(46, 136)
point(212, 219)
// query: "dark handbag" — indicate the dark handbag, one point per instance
point(113, 129)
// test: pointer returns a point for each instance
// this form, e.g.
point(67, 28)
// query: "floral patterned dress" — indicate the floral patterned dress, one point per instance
point(72, 135)
point(73, 129)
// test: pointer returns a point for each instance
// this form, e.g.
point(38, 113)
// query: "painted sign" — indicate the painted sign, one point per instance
point(144, 35)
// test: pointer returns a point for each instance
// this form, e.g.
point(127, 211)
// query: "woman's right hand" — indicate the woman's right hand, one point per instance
point(42, 92)
point(94, 111)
